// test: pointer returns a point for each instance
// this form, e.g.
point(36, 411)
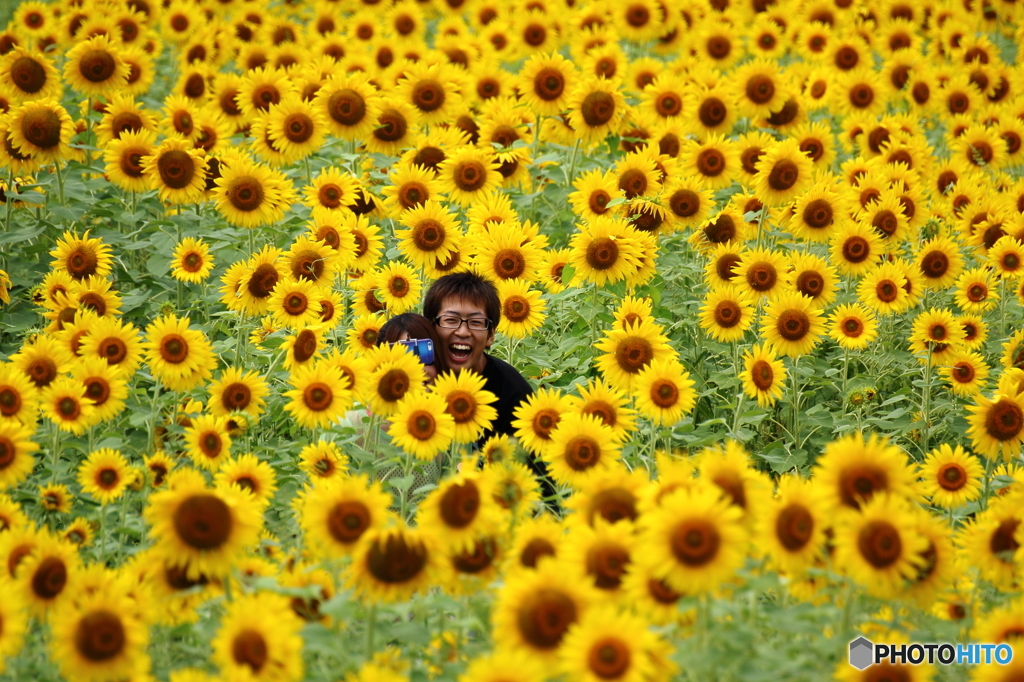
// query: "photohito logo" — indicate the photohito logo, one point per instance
point(864, 653)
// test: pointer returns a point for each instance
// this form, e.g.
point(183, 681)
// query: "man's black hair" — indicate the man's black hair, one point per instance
point(463, 286)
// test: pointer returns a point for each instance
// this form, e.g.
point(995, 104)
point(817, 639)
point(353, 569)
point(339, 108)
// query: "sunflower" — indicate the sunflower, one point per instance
point(394, 129)
point(664, 391)
point(319, 396)
point(237, 390)
point(94, 67)
point(105, 385)
point(714, 161)
point(760, 271)
point(431, 233)
point(399, 286)
point(936, 334)
point(250, 474)
point(192, 261)
point(883, 289)
point(55, 497)
point(65, 404)
point(16, 448)
point(123, 158)
point(966, 373)
point(420, 425)
point(879, 546)
point(207, 441)
point(468, 403)
point(638, 175)
point(783, 173)
point(991, 540)
point(792, 324)
point(596, 109)
point(178, 356)
point(763, 375)
point(249, 194)
point(340, 509)
point(433, 89)
point(522, 310)
point(159, 464)
point(29, 75)
point(595, 189)
point(791, 532)
point(296, 128)
point(545, 82)
point(42, 359)
point(323, 460)
point(951, 477)
point(199, 529)
point(853, 326)
point(177, 170)
point(688, 202)
point(579, 447)
point(853, 469)
point(41, 130)
point(294, 303)
point(856, 248)
point(626, 352)
point(259, 639)
point(536, 609)
point(997, 424)
point(887, 217)
point(467, 174)
point(392, 564)
point(101, 636)
point(103, 474)
point(974, 291)
point(1006, 257)
point(537, 417)
point(694, 540)
point(605, 251)
point(44, 573)
point(350, 103)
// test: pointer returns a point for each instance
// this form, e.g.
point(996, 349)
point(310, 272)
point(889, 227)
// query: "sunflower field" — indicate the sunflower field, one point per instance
point(762, 262)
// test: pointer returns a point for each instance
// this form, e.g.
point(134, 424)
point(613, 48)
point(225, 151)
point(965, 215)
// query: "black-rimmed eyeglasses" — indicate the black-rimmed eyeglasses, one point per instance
point(477, 324)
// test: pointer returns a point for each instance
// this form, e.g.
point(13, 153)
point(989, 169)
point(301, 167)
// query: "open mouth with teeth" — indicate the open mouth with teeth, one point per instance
point(459, 352)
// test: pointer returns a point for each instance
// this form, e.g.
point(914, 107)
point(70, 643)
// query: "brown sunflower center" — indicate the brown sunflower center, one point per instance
point(695, 542)
point(762, 375)
point(783, 175)
point(97, 66)
point(633, 182)
point(793, 324)
point(245, 193)
point(460, 504)
point(879, 543)
point(250, 649)
point(99, 636)
point(173, 348)
point(203, 521)
point(177, 168)
point(794, 527)
point(545, 616)
point(1004, 420)
point(858, 483)
point(318, 396)
point(348, 520)
point(428, 95)
point(42, 128)
point(391, 126)
point(597, 108)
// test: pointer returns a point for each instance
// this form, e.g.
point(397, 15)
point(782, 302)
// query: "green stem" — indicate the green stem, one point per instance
point(103, 534)
point(990, 464)
point(794, 377)
point(371, 623)
point(54, 453)
point(60, 183)
point(572, 163)
point(846, 373)
point(926, 401)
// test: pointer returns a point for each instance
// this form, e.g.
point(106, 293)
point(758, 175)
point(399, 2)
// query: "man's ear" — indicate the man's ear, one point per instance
point(490, 339)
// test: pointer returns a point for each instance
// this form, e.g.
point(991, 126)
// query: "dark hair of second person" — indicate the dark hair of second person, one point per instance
point(412, 326)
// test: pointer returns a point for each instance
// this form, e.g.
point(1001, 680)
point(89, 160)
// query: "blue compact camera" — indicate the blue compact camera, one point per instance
point(421, 348)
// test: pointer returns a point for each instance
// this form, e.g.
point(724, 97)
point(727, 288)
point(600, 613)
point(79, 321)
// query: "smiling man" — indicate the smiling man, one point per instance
point(465, 310)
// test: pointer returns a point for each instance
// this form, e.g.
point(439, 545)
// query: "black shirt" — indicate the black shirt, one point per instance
point(504, 381)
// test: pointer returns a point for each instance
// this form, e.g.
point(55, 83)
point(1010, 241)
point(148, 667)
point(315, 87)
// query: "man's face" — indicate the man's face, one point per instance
point(463, 347)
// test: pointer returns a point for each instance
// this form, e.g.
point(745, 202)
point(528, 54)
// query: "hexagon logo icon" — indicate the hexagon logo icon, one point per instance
point(861, 651)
